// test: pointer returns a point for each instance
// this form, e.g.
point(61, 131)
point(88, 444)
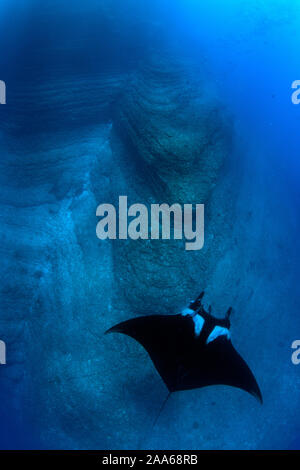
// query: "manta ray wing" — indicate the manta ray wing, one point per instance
point(218, 363)
point(183, 360)
point(165, 338)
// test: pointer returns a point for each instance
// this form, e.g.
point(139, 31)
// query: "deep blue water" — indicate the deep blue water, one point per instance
point(78, 74)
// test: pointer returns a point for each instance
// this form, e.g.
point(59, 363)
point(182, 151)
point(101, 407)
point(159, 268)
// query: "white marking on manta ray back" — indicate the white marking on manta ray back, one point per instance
point(187, 311)
point(218, 331)
point(198, 322)
point(197, 319)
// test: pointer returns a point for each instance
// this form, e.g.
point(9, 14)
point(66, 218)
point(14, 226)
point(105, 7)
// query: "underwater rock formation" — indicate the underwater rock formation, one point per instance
point(52, 260)
point(169, 139)
point(65, 70)
point(176, 127)
point(61, 76)
point(63, 102)
point(175, 137)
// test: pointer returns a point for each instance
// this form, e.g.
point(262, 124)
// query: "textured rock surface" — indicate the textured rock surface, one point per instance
point(176, 127)
point(63, 102)
point(55, 301)
point(175, 136)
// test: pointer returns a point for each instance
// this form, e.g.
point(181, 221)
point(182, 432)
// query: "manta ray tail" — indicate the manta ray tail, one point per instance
point(161, 409)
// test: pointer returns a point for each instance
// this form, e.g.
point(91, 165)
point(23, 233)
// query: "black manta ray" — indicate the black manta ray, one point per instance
point(192, 349)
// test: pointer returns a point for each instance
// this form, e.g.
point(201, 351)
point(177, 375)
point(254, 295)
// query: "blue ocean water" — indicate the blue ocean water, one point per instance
point(169, 101)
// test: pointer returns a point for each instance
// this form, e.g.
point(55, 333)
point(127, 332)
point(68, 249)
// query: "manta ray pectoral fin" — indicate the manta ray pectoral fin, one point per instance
point(216, 332)
point(181, 358)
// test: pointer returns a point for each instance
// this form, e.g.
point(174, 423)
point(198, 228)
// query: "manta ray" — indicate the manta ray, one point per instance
point(192, 349)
